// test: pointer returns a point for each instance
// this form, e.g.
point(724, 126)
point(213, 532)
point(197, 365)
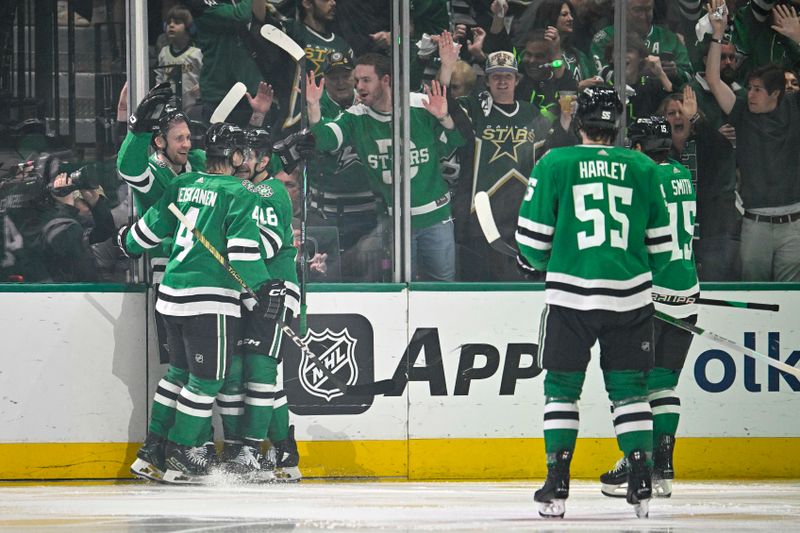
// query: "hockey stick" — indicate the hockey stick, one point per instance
point(710, 301)
point(281, 40)
point(363, 389)
point(722, 341)
point(483, 210)
point(228, 103)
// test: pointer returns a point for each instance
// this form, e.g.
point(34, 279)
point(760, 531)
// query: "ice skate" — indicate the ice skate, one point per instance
point(230, 449)
point(211, 453)
point(639, 483)
point(614, 483)
point(149, 463)
point(663, 471)
point(552, 495)
point(247, 465)
point(287, 459)
point(187, 465)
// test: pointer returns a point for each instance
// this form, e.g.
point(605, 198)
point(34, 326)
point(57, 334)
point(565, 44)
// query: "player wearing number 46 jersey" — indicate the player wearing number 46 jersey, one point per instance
point(595, 219)
point(252, 401)
point(201, 303)
point(673, 287)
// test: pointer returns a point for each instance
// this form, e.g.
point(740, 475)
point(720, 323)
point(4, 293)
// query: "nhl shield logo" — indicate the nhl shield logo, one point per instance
point(337, 352)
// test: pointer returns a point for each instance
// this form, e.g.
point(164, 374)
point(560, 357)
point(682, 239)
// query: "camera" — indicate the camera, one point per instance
point(22, 187)
point(80, 181)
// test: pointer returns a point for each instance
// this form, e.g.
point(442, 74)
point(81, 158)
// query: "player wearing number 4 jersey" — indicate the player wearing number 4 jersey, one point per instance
point(673, 287)
point(595, 219)
point(200, 302)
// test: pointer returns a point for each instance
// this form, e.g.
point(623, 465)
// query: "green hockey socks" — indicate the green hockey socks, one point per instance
point(633, 418)
point(165, 400)
point(561, 420)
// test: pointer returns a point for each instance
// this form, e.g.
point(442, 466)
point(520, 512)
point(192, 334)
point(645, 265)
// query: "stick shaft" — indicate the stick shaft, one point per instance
point(722, 341)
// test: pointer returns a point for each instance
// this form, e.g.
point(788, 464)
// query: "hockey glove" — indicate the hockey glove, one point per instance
point(122, 234)
point(271, 296)
point(293, 148)
point(149, 109)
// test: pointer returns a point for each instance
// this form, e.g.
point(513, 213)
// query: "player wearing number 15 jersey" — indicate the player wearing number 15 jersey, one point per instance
point(595, 219)
point(674, 291)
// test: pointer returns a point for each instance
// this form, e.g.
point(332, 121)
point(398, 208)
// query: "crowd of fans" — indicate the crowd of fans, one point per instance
point(512, 70)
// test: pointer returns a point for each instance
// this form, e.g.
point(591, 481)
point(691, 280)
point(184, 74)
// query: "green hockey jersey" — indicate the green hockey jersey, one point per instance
point(338, 181)
point(231, 219)
point(277, 236)
point(370, 133)
point(595, 219)
point(658, 41)
point(676, 286)
point(148, 178)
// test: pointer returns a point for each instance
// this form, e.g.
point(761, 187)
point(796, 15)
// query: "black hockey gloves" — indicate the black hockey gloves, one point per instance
point(122, 234)
point(293, 148)
point(271, 296)
point(149, 109)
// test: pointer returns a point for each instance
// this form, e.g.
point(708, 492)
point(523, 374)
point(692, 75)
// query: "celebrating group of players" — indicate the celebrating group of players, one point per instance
point(611, 226)
point(221, 343)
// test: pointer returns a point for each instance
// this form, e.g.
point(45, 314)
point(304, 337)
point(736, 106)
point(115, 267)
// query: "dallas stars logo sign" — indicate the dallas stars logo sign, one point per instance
point(337, 352)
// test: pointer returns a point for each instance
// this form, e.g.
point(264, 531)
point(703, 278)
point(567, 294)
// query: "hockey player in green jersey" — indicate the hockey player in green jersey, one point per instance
point(200, 302)
point(595, 219)
point(157, 123)
point(368, 128)
point(675, 290)
point(252, 401)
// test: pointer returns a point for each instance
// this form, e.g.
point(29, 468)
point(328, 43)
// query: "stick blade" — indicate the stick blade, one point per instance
point(228, 103)
point(283, 41)
point(483, 210)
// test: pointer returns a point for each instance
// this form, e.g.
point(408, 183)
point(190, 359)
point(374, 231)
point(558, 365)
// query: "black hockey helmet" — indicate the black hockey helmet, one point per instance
point(259, 140)
point(223, 140)
point(169, 114)
point(599, 107)
point(653, 133)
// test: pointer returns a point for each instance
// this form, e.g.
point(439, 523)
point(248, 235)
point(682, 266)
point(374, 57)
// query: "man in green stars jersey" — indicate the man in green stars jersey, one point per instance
point(595, 219)
point(368, 128)
point(675, 290)
point(340, 193)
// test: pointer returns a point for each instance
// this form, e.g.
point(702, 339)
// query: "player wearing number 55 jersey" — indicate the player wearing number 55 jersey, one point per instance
point(674, 291)
point(201, 303)
point(595, 219)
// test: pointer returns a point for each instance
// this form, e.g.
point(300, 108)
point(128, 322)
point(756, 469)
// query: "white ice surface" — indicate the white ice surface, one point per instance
point(387, 506)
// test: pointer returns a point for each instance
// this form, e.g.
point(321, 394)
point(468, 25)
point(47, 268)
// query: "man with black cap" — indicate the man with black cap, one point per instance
point(338, 183)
